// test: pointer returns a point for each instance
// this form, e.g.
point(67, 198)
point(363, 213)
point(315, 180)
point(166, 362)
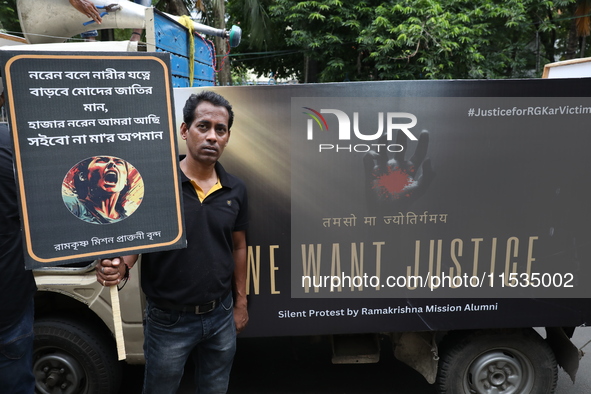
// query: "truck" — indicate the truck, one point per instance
point(448, 216)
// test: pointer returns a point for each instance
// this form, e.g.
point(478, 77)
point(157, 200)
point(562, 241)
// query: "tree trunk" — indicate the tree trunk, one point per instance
point(310, 70)
point(223, 63)
point(572, 42)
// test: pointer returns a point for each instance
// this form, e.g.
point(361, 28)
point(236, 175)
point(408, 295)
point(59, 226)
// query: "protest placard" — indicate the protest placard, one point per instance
point(95, 154)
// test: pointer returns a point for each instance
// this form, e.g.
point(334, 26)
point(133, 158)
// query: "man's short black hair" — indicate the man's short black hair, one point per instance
point(195, 99)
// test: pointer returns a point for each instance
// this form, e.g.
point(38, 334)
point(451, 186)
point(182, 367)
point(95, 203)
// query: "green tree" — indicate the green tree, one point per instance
point(264, 48)
point(8, 16)
point(414, 39)
point(336, 40)
point(326, 32)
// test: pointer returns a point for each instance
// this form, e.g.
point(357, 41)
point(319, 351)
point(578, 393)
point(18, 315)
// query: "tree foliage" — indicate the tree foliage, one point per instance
point(8, 16)
point(263, 48)
point(414, 39)
point(337, 40)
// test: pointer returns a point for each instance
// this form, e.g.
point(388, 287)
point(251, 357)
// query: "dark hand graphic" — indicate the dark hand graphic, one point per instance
point(393, 185)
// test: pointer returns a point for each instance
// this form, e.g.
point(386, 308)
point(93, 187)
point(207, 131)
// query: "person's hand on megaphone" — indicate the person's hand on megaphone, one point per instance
point(87, 8)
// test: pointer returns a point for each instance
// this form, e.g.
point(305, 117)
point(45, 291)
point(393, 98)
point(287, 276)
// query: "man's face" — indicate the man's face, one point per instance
point(107, 173)
point(208, 135)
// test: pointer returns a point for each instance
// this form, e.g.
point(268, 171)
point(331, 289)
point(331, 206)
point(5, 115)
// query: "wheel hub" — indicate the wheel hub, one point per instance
point(499, 372)
point(57, 373)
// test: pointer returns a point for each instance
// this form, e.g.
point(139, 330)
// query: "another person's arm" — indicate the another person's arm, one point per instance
point(87, 8)
point(240, 302)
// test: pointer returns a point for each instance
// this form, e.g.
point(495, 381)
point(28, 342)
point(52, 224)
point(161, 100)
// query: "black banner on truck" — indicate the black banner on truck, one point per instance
point(95, 154)
point(413, 203)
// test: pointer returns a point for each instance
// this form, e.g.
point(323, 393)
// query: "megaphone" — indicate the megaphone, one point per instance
point(52, 21)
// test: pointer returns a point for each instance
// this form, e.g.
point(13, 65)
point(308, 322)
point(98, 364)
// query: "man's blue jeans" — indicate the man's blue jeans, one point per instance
point(16, 355)
point(171, 337)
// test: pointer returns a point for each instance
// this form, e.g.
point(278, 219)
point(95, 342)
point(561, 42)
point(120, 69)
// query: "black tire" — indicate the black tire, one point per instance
point(72, 358)
point(496, 361)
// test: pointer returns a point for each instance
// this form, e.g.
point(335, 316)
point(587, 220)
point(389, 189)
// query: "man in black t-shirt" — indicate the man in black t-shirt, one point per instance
point(17, 286)
point(197, 295)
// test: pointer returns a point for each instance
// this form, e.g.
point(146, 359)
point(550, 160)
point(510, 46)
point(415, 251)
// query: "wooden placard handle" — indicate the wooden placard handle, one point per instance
point(117, 323)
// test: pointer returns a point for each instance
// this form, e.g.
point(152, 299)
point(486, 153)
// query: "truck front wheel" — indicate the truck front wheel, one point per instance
point(499, 362)
point(71, 358)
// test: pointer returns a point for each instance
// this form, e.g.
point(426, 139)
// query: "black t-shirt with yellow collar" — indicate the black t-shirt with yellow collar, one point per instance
point(203, 271)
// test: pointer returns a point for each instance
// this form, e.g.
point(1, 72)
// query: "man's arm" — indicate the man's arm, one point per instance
point(110, 272)
point(240, 303)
